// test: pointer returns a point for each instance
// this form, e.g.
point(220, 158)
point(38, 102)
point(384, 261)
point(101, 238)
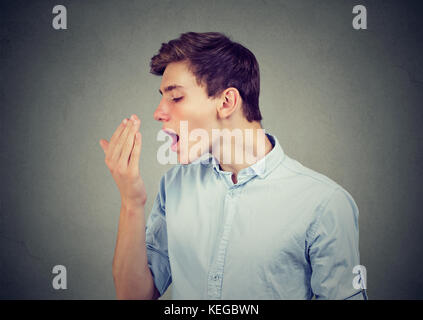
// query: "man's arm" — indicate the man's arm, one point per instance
point(131, 274)
point(333, 248)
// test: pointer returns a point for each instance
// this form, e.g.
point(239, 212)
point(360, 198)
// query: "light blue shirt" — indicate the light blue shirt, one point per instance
point(283, 231)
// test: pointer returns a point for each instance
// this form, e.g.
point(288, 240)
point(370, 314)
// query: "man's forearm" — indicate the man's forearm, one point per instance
point(132, 276)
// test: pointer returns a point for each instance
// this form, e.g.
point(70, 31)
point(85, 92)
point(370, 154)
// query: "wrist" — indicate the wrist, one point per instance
point(133, 205)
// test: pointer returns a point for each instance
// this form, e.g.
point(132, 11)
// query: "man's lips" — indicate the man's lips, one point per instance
point(175, 138)
point(172, 133)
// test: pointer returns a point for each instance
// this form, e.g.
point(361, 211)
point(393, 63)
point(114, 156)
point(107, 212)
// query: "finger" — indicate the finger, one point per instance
point(135, 155)
point(117, 134)
point(127, 148)
point(136, 149)
point(117, 149)
point(104, 145)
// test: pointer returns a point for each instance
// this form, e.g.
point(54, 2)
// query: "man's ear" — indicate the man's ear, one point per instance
point(230, 100)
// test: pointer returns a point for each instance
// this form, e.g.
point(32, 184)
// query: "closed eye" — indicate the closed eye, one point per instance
point(177, 99)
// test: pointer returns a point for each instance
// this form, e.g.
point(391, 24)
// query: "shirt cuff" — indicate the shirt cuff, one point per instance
point(160, 269)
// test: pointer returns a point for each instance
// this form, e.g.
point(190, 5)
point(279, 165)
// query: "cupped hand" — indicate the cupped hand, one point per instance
point(122, 155)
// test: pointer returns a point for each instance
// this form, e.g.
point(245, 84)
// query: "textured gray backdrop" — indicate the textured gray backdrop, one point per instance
point(343, 102)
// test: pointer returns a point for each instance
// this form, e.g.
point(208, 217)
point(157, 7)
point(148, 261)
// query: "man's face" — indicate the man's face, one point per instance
point(184, 100)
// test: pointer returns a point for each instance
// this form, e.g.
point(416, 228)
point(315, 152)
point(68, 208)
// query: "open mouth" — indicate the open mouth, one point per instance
point(175, 138)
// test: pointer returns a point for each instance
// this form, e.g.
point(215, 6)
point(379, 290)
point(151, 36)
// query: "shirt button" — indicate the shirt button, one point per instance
point(216, 277)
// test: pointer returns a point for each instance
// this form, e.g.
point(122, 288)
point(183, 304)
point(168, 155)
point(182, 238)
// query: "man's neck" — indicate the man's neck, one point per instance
point(244, 152)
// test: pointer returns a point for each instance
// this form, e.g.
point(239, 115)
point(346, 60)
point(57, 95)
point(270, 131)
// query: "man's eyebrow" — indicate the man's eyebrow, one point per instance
point(170, 88)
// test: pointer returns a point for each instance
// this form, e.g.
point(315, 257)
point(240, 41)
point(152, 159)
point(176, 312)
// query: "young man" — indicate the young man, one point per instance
point(270, 229)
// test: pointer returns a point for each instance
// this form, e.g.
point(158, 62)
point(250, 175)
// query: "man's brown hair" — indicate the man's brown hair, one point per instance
point(217, 62)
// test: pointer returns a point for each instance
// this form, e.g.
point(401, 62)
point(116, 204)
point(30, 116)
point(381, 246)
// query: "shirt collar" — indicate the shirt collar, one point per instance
point(261, 168)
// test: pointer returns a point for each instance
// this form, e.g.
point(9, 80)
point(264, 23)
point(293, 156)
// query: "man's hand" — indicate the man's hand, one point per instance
point(122, 156)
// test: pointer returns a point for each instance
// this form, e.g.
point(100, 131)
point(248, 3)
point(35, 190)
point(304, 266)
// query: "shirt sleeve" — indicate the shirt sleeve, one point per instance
point(333, 249)
point(156, 243)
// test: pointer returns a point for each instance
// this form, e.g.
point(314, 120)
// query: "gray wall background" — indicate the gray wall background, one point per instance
point(343, 102)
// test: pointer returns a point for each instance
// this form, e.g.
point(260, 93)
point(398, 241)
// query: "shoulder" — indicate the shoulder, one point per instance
point(311, 180)
point(330, 198)
point(294, 168)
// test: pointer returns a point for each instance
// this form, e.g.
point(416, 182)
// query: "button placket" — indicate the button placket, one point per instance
point(215, 279)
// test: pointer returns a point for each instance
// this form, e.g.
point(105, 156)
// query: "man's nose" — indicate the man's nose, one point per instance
point(161, 114)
